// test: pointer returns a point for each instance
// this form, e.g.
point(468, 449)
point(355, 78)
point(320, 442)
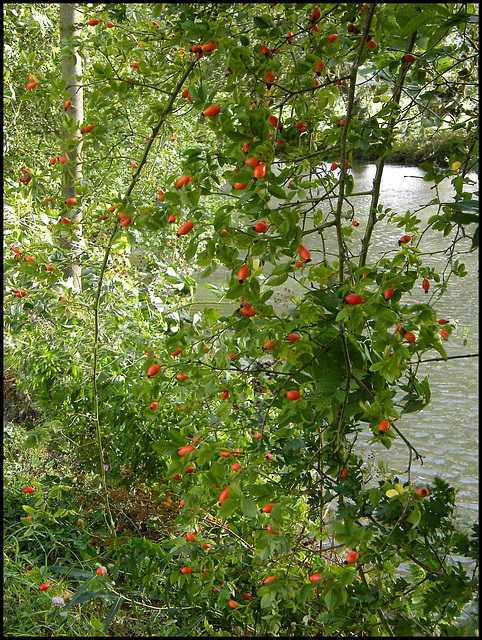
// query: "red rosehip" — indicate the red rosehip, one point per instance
point(384, 425)
point(353, 298)
point(352, 557)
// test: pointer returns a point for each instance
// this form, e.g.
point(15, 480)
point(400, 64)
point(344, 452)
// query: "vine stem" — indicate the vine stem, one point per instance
point(467, 355)
point(372, 219)
point(341, 194)
point(135, 178)
point(379, 611)
point(344, 133)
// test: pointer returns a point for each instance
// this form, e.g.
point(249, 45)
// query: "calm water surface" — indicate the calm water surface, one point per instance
point(445, 433)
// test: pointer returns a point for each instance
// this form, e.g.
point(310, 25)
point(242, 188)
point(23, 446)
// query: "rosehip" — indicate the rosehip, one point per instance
point(212, 111)
point(353, 298)
point(153, 370)
point(185, 450)
point(223, 495)
point(352, 557)
point(293, 395)
point(384, 425)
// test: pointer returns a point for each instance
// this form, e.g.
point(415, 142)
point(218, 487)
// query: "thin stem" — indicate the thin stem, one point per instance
point(101, 278)
point(344, 133)
point(372, 218)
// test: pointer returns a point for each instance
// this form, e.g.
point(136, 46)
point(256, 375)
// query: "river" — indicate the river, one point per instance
point(445, 433)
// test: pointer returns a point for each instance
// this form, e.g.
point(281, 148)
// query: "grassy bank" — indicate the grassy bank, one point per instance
point(431, 147)
point(57, 536)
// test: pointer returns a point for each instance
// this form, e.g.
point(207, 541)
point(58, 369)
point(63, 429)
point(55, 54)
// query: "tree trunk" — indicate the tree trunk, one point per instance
point(71, 71)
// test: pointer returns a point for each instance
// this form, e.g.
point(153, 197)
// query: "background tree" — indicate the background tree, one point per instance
point(70, 19)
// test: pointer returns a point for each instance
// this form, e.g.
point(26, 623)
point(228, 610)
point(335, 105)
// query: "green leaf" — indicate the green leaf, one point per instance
point(98, 69)
point(475, 240)
point(112, 613)
point(191, 250)
point(248, 507)
point(349, 184)
point(347, 532)
point(204, 453)
point(277, 192)
point(328, 371)
point(387, 443)
point(438, 347)
point(283, 267)
point(261, 23)
point(304, 592)
point(275, 281)
point(259, 248)
point(85, 595)
point(228, 507)
point(414, 517)
point(331, 599)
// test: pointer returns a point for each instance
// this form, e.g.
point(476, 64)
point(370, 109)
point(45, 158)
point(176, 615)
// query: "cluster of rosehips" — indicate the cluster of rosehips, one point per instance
point(32, 84)
point(200, 50)
point(25, 177)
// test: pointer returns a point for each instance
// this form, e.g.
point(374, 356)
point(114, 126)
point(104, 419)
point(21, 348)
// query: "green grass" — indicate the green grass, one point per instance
point(66, 543)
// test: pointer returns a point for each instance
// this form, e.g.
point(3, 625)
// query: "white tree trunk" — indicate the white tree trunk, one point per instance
point(71, 70)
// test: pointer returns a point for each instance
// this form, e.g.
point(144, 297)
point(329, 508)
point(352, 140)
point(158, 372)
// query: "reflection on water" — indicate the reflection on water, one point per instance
point(446, 432)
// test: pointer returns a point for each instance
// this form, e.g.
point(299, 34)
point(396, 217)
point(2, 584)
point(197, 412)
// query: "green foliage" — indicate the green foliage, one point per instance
point(85, 362)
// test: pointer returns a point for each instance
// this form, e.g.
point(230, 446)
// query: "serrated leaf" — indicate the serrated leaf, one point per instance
point(387, 443)
point(331, 599)
point(275, 281)
point(374, 496)
point(438, 347)
point(414, 517)
point(280, 268)
point(259, 248)
point(343, 595)
point(84, 595)
point(465, 218)
point(260, 22)
point(463, 205)
point(172, 196)
point(277, 192)
point(191, 250)
point(204, 454)
point(305, 591)
point(248, 507)
point(228, 507)
point(475, 240)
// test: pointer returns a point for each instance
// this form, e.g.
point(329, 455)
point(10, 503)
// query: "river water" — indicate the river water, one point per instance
point(445, 433)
